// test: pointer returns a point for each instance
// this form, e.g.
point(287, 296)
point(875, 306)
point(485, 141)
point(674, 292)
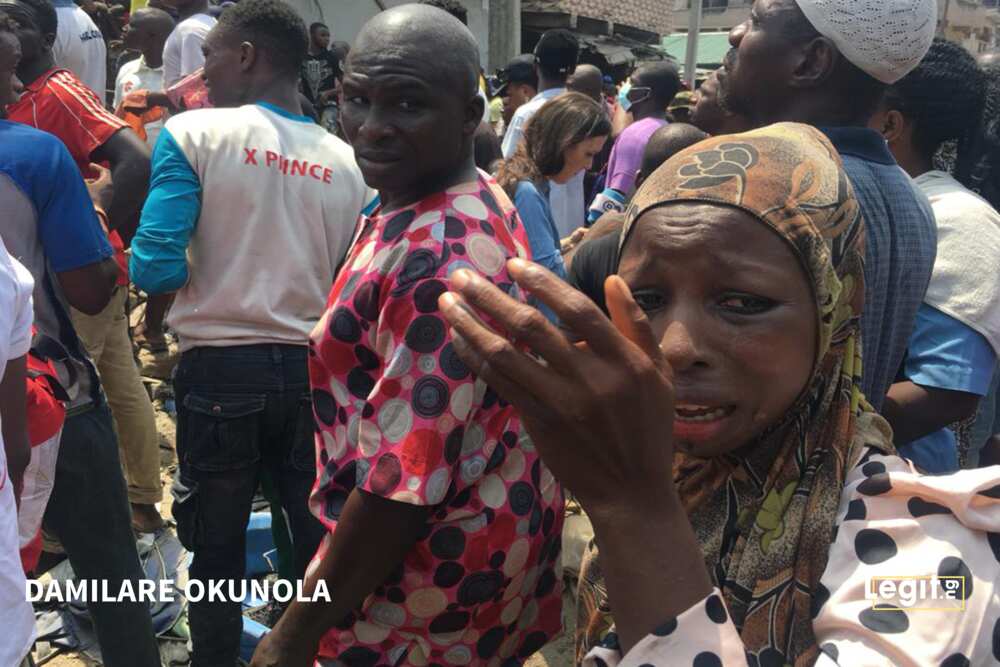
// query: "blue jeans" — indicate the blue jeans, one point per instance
point(89, 513)
point(239, 410)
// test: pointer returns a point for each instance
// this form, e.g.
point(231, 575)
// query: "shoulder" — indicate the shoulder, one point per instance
point(199, 23)
point(129, 68)
point(33, 157)
point(75, 97)
point(467, 226)
point(526, 190)
point(200, 122)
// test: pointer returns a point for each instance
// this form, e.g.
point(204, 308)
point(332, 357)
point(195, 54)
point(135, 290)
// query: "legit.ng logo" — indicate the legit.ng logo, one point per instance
point(917, 593)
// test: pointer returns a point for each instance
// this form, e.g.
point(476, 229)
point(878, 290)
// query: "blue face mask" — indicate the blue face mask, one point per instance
point(625, 97)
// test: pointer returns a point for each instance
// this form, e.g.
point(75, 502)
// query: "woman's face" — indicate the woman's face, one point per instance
point(578, 157)
point(735, 317)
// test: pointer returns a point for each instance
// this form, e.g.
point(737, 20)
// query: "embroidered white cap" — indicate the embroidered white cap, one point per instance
point(884, 38)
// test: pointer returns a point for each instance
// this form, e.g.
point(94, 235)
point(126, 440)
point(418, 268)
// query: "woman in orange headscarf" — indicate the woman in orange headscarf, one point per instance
point(743, 494)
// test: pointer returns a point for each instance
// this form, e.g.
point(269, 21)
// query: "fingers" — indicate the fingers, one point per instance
point(522, 322)
point(630, 319)
point(576, 312)
point(525, 403)
point(512, 373)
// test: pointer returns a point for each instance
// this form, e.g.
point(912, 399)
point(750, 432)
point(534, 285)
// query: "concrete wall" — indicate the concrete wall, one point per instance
point(971, 23)
point(345, 18)
point(737, 12)
point(654, 16)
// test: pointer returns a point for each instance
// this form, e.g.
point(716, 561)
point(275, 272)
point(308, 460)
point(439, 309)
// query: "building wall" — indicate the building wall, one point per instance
point(651, 15)
point(719, 15)
point(971, 23)
point(345, 18)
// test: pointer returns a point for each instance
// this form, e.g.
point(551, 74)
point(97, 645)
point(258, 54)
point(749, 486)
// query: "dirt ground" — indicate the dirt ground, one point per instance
point(155, 369)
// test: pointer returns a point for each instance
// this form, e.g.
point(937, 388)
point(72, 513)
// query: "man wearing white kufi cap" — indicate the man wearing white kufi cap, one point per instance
point(828, 63)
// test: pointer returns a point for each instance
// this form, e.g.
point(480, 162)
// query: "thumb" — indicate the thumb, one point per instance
point(630, 320)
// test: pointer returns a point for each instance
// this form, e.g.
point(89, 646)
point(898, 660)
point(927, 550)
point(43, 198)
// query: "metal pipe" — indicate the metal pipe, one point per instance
point(694, 30)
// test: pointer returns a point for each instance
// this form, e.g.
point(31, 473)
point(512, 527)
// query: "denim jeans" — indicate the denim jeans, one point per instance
point(239, 410)
point(89, 513)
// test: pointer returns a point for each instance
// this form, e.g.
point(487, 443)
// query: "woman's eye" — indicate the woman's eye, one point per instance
point(407, 105)
point(355, 99)
point(744, 304)
point(648, 301)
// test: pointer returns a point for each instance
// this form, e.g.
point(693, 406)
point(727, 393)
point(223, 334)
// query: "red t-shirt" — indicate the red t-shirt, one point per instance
point(60, 104)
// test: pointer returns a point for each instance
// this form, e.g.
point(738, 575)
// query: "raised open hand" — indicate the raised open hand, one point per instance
point(599, 411)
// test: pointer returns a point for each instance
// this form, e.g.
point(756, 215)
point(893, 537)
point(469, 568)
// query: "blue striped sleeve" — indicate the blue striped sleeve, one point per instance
point(159, 249)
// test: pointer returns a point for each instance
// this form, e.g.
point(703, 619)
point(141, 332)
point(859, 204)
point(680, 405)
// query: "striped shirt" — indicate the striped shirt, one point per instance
point(59, 103)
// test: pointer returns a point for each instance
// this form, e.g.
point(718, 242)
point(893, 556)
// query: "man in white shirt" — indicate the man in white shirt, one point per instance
point(16, 315)
point(79, 47)
point(182, 52)
point(555, 59)
point(252, 207)
point(147, 32)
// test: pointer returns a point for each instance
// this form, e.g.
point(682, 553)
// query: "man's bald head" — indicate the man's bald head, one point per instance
point(664, 144)
point(587, 79)
point(155, 21)
point(428, 39)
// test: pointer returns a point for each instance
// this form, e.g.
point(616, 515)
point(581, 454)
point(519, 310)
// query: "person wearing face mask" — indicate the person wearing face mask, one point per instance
point(560, 141)
point(646, 97)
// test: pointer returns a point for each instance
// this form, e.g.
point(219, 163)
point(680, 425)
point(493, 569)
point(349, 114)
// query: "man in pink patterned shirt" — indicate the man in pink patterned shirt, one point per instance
point(444, 523)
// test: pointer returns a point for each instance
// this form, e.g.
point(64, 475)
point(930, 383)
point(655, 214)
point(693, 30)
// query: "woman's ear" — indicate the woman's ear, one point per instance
point(895, 126)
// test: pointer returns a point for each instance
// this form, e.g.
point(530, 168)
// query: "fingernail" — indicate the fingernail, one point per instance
point(460, 278)
point(446, 301)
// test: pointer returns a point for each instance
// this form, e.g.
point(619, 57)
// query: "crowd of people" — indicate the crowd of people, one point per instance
point(752, 329)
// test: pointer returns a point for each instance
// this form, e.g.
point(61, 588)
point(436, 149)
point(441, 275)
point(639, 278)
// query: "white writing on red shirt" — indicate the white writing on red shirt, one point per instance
point(287, 166)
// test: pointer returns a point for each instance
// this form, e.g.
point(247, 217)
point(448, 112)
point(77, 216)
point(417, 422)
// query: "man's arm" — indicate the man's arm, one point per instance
point(159, 248)
point(13, 416)
point(948, 368)
point(128, 156)
point(89, 288)
point(74, 243)
point(358, 560)
point(914, 411)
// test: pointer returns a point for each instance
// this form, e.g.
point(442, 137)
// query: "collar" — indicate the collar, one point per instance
point(63, 3)
point(548, 94)
point(860, 142)
point(38, 83)
point(144, 65)
point(285, 114)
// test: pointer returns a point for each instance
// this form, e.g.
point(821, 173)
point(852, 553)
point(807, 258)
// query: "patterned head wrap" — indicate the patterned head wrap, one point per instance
point(749, 508)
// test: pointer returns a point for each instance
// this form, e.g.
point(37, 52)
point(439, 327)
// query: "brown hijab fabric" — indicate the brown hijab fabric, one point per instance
point(765, 515)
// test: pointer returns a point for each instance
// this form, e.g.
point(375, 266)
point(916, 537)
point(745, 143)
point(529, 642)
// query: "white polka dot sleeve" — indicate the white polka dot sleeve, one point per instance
point(913, 579)
point(914, 571)
point(702, 636)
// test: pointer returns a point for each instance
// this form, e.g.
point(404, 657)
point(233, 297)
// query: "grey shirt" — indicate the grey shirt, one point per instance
point(49, 225)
